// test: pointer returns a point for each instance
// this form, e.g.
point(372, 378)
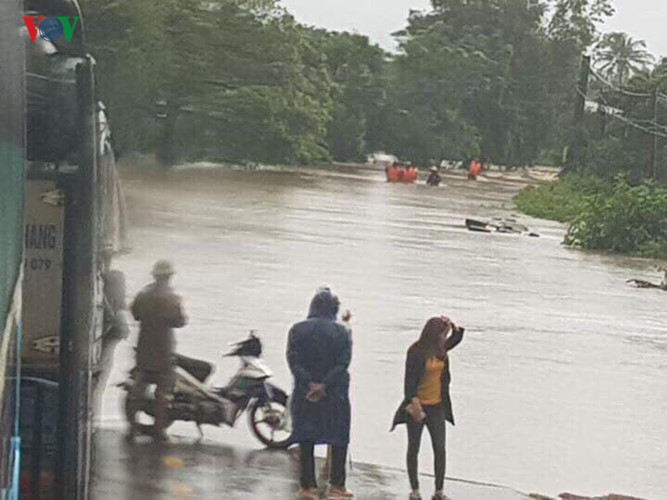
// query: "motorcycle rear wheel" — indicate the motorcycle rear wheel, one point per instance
point(270, 424)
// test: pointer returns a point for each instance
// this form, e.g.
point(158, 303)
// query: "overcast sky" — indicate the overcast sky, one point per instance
point(643, 19)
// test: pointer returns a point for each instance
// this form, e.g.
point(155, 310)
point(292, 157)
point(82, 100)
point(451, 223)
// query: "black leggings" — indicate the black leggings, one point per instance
point(435, 422)
point(307, 462)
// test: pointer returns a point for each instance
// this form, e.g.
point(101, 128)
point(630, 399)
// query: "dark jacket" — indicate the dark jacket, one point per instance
point(415, 367)
point(319, 350)
point(159, 310)
point(434, 179)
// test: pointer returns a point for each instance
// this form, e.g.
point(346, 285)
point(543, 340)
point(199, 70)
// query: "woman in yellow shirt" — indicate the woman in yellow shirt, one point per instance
point(427, 402)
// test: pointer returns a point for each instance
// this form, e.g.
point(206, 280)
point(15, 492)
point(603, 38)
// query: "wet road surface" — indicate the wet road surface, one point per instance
point(560, 383)
point(184, 470)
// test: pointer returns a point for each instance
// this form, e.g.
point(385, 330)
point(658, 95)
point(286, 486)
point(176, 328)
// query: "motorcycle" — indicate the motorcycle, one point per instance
point(196, 401)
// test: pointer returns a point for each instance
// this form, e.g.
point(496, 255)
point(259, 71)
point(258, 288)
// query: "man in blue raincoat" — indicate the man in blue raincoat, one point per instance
point(319, 352)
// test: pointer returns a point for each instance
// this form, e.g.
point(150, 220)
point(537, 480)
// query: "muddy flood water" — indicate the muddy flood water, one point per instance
point(560, 383)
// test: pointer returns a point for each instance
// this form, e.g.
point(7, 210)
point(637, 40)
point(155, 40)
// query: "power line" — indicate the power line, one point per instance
point(653, 124)
point(613, 87)
point(629, 122)
point(616, 89)
point(639, 127)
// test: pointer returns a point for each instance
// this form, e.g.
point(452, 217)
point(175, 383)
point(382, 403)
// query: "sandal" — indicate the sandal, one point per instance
point(308, 494)
point(339, 493)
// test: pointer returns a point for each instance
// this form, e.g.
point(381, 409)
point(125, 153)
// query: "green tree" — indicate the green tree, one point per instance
point(480, 77)
point(619, 56)
point(577, 21)
point(226, 79)
point(358, 69)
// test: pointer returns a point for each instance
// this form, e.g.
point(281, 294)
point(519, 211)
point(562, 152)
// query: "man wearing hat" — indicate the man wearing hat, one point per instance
point(159, 311)
point(434, 178)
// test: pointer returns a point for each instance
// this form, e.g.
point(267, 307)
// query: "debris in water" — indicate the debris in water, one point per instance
point(508, 226)
point(647, 284)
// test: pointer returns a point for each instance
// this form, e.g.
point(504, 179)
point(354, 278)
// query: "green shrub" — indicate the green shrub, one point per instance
point(628, 219)
point(654, 250)
point(611, 216)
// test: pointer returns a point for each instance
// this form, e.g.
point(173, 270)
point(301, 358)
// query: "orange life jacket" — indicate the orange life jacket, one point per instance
point(401, 175)
point(393, 174)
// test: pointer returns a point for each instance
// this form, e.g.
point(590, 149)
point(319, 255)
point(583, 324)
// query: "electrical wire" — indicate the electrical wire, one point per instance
point(636, 124)
point(639, 127)
point(606, 82)
point(654, 124)
point(627, 121)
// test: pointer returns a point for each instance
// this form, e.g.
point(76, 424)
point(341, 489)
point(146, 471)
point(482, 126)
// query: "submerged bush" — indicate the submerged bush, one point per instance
point(628, 219)
point(611, 216)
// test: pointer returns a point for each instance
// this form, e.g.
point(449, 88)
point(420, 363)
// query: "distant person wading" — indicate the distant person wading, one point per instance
point(319, 351)
point(426, 400)
point(394, 173)
point(434, 179)
point(474, 170)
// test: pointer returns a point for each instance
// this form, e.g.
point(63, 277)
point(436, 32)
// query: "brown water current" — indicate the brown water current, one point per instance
point(560, 383)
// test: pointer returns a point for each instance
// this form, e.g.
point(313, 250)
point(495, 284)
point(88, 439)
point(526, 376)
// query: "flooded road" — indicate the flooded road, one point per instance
point(560, 383)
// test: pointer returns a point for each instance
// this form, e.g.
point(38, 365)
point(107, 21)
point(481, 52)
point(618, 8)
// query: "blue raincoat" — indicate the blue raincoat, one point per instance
point(319, 350)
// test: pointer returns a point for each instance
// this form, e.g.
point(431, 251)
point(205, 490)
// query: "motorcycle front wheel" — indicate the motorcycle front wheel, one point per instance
point(270, 423)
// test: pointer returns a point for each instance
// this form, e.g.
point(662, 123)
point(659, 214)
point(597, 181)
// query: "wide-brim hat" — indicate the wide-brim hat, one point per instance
point(163, 268)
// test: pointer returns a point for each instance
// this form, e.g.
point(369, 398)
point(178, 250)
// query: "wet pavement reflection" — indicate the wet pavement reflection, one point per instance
point(185, 470)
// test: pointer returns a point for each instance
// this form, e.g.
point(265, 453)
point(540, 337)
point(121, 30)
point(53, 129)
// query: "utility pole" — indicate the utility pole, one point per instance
point(602, 112)
point(79, 301)
point(578, 137)
point(652, 138)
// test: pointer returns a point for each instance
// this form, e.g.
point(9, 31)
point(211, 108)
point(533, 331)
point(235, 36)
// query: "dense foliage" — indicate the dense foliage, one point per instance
point(562, 201)
point(604, 215)
point(481, 78)
point(240, 80)
point(628, 219)
point(221, 79)
point(617, 140)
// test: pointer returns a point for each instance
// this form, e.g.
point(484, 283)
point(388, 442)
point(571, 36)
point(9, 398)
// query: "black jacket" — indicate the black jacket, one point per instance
point(415, 367)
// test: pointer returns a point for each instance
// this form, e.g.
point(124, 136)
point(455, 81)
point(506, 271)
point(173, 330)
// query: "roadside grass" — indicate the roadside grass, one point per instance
point(561, 201)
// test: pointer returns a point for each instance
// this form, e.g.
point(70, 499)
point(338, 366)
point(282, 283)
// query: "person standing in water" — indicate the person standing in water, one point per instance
point(319, 351)
point(475, 170)
point(393, 173)
point(427, 402)
point(434, 179)
point(411, 174)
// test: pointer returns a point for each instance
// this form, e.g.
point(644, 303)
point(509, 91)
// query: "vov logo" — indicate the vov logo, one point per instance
point(50, 29)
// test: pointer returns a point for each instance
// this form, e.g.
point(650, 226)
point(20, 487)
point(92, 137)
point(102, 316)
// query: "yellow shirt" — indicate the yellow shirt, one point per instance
point(430, 387)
